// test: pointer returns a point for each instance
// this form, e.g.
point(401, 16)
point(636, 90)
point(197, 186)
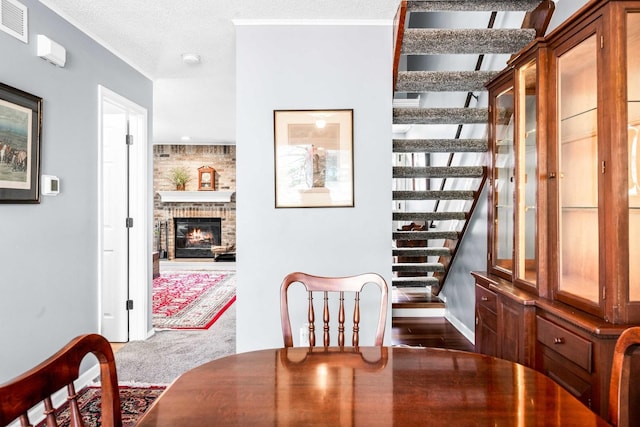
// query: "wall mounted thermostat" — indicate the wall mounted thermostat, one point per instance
point(50, 185)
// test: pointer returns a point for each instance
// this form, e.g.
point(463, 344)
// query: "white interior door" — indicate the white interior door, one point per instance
point(125, 257)
point(115, 239)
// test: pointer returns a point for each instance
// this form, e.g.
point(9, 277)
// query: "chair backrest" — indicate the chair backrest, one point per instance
point(619, 387)
point(338, 285)
point(41, 382)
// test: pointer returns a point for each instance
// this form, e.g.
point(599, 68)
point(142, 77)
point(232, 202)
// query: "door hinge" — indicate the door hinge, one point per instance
point(129, 222)
point(601, 42)
point(129, 139)
point(129, 304)
point(604, 293)
point(603, 166)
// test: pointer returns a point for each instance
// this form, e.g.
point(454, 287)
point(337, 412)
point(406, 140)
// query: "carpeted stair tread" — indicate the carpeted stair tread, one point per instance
point(443, 81)
point(434, 195)
point(443, 41)
point(418, 267)
point(422, 251)
point(438, 172)
point(425, 235)
point(454, 116)
point(429, 216)
point(471, 5)
point(440, 145)
point(414, 282)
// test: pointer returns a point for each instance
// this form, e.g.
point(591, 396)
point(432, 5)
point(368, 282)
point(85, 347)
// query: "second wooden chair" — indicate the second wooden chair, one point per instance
point(337, 285)
point(622, 388)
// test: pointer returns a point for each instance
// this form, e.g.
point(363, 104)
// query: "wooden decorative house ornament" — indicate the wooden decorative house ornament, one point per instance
point(206, 178)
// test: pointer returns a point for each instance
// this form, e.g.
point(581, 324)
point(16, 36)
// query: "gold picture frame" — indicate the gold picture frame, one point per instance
point(313, 158)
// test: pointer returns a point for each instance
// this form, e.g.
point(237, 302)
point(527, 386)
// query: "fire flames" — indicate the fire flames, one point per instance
point(198, 237)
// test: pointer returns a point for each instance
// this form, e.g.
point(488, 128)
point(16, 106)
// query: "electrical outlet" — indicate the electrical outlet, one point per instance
point(304, 335)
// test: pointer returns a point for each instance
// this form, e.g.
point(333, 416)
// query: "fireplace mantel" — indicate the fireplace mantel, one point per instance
point(195, 196)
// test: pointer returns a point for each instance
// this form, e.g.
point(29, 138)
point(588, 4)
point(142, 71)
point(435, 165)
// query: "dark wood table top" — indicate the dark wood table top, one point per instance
point(369, 386)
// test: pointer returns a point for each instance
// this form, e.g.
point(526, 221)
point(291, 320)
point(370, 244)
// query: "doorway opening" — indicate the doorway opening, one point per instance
point(124, 265)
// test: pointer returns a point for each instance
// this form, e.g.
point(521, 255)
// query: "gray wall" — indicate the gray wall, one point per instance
point(309, 67)
point(472, 256)
point(48, 251)
point(564, 9)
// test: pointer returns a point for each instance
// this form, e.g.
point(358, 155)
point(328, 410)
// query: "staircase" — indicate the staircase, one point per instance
point(439, 167)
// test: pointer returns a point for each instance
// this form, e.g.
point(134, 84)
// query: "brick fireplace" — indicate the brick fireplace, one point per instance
point(217, 203)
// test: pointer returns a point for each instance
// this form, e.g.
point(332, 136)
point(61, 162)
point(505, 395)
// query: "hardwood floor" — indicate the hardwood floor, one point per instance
point(424, 331)
point(428, 332)
point(115, 346)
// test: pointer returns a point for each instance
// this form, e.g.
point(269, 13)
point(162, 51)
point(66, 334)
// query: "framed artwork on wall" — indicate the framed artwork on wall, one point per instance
point(20, 134)
point(313, 158)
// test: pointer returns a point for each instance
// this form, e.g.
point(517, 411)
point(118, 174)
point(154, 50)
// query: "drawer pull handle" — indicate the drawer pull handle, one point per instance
point(558, 340)
point(484, 298)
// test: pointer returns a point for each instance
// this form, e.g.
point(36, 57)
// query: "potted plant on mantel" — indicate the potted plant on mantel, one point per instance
point(179, 176)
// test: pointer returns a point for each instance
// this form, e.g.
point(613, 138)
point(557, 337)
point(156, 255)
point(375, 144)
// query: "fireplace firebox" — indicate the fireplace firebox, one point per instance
point(194, 237)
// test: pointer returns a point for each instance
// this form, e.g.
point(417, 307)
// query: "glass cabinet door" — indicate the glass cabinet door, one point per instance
point(578, 171)
point(503, 182)
point(633, 111)
point(527, 166)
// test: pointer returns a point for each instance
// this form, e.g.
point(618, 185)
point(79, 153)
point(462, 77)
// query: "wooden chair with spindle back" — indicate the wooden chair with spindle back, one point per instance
point(621, 383)
point(41, 382)
point(337, 285)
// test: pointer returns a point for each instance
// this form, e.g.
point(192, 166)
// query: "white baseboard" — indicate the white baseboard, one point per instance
point(461, 327)
point(418, 312)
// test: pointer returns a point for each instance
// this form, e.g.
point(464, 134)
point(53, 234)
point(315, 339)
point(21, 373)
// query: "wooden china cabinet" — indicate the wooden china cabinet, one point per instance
point(563, 270)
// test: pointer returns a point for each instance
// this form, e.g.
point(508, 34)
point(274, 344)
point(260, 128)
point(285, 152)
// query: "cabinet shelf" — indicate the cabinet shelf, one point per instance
point(581, 115)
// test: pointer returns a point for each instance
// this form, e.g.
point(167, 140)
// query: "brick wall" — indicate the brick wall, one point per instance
point(222, 158)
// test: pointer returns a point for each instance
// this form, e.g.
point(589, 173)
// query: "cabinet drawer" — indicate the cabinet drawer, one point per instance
point(486, 298)
point(564, 342)
point(574, 382)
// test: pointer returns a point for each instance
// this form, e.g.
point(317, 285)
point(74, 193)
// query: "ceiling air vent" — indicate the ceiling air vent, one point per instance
point(13, 19)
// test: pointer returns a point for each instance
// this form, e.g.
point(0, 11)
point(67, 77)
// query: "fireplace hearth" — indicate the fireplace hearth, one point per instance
point(194, 237)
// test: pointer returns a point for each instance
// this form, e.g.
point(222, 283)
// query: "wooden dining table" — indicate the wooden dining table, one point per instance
point(365, 386)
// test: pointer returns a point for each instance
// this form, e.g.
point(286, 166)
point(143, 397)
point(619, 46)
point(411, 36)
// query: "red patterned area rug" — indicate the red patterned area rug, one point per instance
point(134, 401)
point(190, 299)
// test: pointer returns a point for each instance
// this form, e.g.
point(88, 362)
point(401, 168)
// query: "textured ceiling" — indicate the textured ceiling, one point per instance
point(151, 35)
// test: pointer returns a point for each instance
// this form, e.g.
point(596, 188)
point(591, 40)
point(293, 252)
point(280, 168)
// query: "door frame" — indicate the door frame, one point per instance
point(140, 243)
